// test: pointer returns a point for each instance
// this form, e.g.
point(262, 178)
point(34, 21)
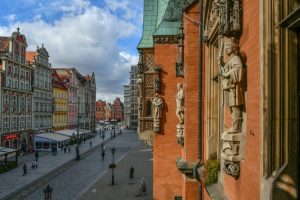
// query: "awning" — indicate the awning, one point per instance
point(7, 151)
point(50, 137)
point(71, 132)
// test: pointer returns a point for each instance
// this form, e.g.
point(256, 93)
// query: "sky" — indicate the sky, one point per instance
point(97, 36)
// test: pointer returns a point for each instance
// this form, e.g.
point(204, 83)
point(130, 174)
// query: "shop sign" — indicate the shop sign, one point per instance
point(9, 137)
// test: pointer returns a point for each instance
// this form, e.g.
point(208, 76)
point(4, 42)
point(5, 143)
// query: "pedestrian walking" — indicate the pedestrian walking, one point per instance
point(77, 153)
point(131, 172)
point(91, 144)
point(34, 164)
point(65, 149)
point(142, 189)
point(103, 154)
point(103, 136)
point(24, 169)
point(36, 155)
point(52, 150)
point(55, 151)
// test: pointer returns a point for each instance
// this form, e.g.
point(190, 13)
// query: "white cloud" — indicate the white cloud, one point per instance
point(85, 37)
point(11, 18)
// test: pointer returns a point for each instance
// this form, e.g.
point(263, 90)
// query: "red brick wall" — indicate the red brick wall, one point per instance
point(191, 64)
point(248, 185)
point(166, 177)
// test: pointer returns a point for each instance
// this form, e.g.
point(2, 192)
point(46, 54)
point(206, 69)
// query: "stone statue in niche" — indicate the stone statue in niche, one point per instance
point(180, 114)
point(157, 103)
point(139, 84)
point(233, 78)
point(232, 83)
point(180, 103)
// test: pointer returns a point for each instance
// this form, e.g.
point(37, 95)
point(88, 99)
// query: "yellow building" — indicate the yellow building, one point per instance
point(60, 103)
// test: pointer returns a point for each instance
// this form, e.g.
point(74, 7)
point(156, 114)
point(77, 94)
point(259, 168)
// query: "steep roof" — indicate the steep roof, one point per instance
point(149, 24)
point(169, 17)
point(161, 17)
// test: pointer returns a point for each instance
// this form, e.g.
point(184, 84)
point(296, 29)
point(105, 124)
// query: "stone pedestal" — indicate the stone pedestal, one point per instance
point(156, 125)
point(231, 152)
point(180, 134)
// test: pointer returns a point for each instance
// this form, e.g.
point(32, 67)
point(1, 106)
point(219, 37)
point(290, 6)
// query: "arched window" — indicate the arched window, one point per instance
point(149, 109)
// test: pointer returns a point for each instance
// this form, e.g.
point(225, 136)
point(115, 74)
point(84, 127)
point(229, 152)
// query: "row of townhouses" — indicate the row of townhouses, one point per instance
point(36, 98)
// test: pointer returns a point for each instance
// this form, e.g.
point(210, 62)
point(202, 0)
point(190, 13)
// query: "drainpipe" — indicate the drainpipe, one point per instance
point(200, 91)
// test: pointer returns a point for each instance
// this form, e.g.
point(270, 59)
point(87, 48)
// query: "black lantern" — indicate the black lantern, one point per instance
point(48, 192)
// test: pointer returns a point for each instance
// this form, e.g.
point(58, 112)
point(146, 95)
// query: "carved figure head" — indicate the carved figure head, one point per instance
point(179, 86)
point(231, 46)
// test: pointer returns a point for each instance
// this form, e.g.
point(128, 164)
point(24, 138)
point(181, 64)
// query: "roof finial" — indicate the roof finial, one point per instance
point(42, 44)
point(18, 29)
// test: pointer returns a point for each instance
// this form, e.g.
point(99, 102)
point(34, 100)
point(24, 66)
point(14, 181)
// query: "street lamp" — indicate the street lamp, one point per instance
point(48, 192)
point(77, 118)
point(113, 166)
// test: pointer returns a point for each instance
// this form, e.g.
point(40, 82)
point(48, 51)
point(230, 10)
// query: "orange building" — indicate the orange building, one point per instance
point(100, 110)
point(223, 119)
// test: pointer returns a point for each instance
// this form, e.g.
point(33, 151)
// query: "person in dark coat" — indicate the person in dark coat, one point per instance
point(131, 171)
point(24, 169)
point(103, 154)
point(36, 155)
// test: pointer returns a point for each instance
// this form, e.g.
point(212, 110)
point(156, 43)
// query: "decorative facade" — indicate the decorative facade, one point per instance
point(81, 98)
point(42, 90)
point(16, 92)
point(108, 111)
point(70, 78)
point(236, 98)
point(117, 110)
point(60, 103)
point(100, 110)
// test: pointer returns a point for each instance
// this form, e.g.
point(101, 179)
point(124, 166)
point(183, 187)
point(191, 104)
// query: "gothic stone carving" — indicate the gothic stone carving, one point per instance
point(166, 39)
point(180, 113)
point(180, 103)
point(232, 168)
point(157, 114)
point(230, 18)
point(149, 92)
point(179, 63)
point(232, 83)
point(229, 15)
point(180, 134)
point(157, 81)
point(189, 169)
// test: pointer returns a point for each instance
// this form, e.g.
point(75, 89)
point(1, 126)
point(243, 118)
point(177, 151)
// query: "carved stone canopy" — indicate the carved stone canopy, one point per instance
point(226, 13)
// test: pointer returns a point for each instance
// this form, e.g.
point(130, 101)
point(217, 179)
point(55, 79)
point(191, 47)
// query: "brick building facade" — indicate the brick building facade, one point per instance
point(225, 92)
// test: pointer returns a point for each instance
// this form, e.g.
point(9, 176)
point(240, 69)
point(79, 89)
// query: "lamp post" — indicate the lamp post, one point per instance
point(48, 192)
point(112, 166)
point(114, 130)
point(77, 118)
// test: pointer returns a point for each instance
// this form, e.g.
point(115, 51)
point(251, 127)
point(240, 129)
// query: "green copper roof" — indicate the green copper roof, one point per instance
point(149, 24)
point(161, 17)
point(168, 17)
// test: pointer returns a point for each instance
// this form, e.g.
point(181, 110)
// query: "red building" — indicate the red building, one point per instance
point(100, 110)
point(219, 98)
point(117, 110)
